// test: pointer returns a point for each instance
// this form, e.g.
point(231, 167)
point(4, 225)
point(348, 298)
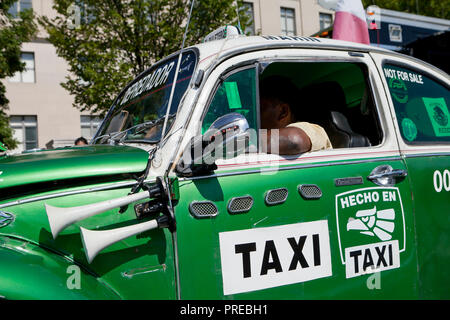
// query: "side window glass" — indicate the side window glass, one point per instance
point(421, 105)
point(237, 93)
point(331, 102)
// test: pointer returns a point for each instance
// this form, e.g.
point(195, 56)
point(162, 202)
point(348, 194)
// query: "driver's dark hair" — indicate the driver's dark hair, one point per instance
point(81, 139)
point(280, 88)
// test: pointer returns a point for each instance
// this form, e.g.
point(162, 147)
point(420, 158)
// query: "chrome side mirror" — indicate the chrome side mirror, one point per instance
point(226, 138)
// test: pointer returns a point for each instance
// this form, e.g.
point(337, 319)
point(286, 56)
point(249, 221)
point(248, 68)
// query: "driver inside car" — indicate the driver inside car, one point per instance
point(279, 100)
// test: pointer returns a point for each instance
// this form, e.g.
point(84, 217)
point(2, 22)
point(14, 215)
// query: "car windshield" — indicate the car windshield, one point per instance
point(139, 111)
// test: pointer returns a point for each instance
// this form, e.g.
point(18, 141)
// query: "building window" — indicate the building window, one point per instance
point(19, 6)
point(395, 33)
point(28, 74)
point(326, 20)
point(288, 22)
point(250, 26)
point(85, 12)
point(24, 131)
point(89, 126)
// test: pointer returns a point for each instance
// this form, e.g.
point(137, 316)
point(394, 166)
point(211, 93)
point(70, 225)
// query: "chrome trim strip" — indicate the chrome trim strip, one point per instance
point(6, 218)
point(226, 174)
point(416, 155)
point(177, 263)
point(69, 193)
point(348, 181)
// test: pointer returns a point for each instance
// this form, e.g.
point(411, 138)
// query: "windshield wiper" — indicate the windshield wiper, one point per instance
point(113, 136)
point(147, 125)
point(110, 135)
point(141, 126)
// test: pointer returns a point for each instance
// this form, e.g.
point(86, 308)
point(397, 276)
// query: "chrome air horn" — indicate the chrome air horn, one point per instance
point(61, 218)
point(96, 241)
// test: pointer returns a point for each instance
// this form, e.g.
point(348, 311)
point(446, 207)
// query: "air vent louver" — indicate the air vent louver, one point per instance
point(240, 204)
point(203, 209)
point(276, 196)
point(310, 191)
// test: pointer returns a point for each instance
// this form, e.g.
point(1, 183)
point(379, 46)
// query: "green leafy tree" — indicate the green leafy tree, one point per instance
point(432, 8)
point(109, 42)
point(13, 32)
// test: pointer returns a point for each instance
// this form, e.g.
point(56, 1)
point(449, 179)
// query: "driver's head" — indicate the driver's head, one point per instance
point(80, 141)
point(277, 98)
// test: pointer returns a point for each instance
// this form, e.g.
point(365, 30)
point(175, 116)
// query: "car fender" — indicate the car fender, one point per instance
point(28, 271)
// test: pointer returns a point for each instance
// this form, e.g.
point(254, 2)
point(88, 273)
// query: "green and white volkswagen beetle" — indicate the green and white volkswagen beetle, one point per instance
point(175, 199)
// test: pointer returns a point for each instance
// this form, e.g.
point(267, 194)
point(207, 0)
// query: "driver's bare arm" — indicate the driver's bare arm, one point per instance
point(290, 140)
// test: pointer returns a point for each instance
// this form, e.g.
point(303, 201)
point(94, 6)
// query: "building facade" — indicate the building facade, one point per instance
point(287, 17)
point(41, 111)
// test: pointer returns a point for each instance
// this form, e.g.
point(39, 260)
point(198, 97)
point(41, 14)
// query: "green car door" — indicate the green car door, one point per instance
point(420, 101)
point(330, 224)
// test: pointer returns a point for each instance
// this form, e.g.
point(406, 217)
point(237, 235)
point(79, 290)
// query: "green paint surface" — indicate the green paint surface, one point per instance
point(71, 163)
point(199, 247)
point(139, 267)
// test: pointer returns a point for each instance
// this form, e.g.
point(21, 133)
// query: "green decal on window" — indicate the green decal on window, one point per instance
point(234, 101)
point(398, 90)
point(409, 129)
point(440, 118)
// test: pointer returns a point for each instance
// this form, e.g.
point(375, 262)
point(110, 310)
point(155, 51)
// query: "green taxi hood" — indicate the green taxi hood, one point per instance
point(70, 163)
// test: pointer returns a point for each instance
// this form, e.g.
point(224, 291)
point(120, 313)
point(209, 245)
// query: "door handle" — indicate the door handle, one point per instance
point(385, 175)
point(396, 173)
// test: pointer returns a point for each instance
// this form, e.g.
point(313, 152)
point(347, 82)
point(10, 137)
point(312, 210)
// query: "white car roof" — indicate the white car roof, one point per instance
point(220, 48)
point(215, 50)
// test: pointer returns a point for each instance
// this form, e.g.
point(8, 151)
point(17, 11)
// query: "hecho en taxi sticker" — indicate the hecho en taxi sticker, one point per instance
point(371, 229)
point(262, 258)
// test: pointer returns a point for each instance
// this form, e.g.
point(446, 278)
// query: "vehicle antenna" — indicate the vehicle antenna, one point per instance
point(163, 132)
point(237, 13)
point(169, 105)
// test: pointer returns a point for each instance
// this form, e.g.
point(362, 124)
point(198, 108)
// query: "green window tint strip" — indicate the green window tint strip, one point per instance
point(421, 105)
point(232, 91)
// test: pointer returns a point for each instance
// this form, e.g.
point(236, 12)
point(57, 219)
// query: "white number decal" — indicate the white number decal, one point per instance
point(441, 180)
point(446, 179)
